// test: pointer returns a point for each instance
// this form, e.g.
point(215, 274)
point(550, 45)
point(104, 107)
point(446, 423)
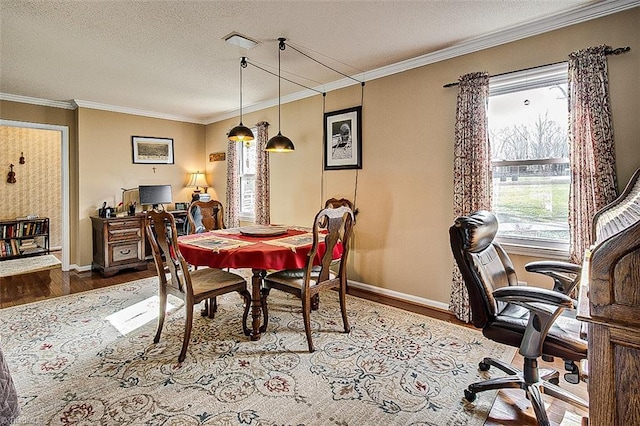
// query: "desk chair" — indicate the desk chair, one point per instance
point(306, 283)
point(192, 287)
point(520, 316)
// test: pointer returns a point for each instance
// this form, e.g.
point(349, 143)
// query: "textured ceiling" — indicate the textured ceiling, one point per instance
point(169, 57)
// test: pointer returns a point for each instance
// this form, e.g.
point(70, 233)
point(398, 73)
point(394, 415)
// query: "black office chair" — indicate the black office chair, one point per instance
point(515, 315)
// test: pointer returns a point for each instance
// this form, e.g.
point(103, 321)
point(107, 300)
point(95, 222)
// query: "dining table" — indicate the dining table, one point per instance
point(260, 248)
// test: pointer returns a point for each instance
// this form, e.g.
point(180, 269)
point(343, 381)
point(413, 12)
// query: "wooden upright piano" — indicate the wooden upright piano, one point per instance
point(609, 301)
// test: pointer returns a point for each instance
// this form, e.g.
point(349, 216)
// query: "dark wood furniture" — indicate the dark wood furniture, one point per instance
point(24, 238)
point(180, 217)
point(308, 282)
point(192, 287)
point(230, 249)
point(609, 300)
point(118, 243)
point(211, 216)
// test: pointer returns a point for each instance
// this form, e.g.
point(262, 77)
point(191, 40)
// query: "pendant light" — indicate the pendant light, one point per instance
point(241, 132)
point(279, 143)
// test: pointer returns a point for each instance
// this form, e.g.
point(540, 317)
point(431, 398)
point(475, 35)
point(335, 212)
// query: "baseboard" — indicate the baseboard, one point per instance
point(402, 300)
point(80, 268)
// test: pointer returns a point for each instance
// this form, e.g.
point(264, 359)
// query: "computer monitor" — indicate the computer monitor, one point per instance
point(154, 195)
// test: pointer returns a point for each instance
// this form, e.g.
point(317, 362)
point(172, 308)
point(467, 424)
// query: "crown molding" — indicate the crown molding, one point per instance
point(536, 27)
point(36, 101)
point(508, 35)
point(133, 111)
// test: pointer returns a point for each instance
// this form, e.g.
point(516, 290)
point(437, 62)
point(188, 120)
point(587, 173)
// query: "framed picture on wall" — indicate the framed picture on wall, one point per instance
point(148, 150)
point(343, 139)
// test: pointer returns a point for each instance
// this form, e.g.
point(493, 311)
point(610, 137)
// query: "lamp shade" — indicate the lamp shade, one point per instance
point(197, 179)
point(241, 133)
point(279, 143)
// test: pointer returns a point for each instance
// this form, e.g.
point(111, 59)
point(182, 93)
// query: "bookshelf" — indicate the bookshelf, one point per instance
point(24, 237)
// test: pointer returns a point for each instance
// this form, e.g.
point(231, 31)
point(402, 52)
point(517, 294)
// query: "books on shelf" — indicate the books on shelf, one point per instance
point(24, 236)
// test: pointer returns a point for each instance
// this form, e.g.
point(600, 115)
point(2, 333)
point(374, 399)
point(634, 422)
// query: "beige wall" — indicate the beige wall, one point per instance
point(405, 187)
point(105, 162)
point(15, 111)
point(37, 189)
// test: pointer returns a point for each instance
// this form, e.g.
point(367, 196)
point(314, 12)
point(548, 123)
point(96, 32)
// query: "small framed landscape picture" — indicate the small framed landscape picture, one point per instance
point(343, 139)
point(182, 206)
point(148, 150)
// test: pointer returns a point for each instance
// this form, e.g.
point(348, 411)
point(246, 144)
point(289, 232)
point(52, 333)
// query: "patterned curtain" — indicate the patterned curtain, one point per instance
point(591, 148)
point(262, 206)
point(472, 186)
point(232, 212)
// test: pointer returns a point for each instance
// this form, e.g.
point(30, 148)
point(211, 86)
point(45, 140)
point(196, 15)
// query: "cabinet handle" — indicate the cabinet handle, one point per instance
point(125, 252)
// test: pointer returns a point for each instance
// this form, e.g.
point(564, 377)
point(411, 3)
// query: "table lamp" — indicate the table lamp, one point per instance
point(197, 180)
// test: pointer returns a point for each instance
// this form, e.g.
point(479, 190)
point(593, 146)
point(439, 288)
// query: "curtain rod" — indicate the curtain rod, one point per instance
point(608, 51)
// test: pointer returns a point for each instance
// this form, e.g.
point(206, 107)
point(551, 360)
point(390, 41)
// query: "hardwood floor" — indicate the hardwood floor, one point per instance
point(509, 408)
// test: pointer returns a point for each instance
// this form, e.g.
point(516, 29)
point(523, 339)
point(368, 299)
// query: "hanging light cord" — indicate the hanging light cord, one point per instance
point(324, 65)
point(324, 109)
point(243, 64)
point(284, 78)
point(279, 83)
point(355, 186)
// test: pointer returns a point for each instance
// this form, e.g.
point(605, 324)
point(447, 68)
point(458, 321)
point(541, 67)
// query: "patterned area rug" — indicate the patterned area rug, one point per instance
point(89, 359)
point(27, 265)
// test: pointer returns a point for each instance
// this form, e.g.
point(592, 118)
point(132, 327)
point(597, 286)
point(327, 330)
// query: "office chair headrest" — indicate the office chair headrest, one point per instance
point(479, 230)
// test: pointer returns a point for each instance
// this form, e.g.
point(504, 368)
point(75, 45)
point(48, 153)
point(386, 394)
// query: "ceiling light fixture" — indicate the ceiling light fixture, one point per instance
point(241, 133)
point(240, 40)
point(279, 143)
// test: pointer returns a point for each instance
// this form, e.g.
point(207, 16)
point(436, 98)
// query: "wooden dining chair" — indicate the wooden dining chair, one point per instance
point(307, 282)
point(204, 216)
point(192, 287)
point(335, 202)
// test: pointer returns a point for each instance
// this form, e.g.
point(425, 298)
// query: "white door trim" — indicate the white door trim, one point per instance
point(64, 173)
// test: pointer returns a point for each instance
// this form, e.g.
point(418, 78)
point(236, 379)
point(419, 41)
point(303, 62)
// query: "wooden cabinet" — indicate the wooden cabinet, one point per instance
point(24, 238)
point(609, 300)
point(118, 243)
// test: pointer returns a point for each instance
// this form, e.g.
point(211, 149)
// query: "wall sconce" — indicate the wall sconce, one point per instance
point(197, 180)
point(279, 143)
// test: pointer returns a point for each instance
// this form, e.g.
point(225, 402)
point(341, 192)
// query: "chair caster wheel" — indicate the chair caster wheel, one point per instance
point(483, 366)
point(554, 381)
point(469, 396)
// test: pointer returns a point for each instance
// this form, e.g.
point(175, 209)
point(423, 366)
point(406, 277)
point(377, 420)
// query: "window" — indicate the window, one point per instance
point(528, 119)
point(247, 168)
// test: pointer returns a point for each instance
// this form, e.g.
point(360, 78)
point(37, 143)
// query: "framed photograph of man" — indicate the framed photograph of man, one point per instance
point(343, 139)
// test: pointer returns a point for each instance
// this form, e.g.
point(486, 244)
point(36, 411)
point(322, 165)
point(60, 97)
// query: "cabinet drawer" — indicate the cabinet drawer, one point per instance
point(121, 234)
point(124, 252)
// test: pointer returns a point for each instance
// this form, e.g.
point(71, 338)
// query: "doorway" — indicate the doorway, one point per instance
point(63, 132)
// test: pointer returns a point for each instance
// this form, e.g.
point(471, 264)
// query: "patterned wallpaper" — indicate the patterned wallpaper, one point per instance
point(38, 187)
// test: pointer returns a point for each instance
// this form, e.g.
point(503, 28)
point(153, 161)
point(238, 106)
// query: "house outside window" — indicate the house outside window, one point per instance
point(247, 168)
point(528, 131)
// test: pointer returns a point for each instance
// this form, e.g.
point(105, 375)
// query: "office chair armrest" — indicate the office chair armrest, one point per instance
point(533, 298)
point(565, 275)
point(544, 307)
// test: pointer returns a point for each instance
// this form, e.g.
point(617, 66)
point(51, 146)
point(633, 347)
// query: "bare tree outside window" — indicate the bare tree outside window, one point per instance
point(530, 149)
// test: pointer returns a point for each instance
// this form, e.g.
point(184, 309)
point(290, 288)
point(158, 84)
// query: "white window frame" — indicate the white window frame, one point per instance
point(243, 215)
point(515, 82)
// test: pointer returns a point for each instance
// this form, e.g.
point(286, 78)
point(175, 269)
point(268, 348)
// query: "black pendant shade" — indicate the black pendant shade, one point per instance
point(279, 143)
point(241, 132)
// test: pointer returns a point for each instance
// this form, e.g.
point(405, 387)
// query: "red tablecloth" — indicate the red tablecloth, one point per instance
point(258, 255)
